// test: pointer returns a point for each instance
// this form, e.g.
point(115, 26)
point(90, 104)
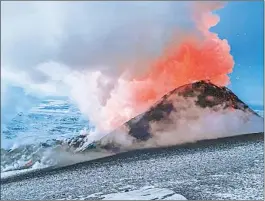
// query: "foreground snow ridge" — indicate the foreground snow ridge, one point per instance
point(145, 193)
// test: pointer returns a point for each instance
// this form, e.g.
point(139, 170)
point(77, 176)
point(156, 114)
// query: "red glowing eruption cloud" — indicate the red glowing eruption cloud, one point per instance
point(204, 57)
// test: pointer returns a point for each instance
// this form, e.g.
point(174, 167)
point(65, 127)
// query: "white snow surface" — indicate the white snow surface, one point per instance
point(144, 193)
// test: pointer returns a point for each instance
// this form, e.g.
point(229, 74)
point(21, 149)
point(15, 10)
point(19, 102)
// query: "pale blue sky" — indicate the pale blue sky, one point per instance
point(242, 25)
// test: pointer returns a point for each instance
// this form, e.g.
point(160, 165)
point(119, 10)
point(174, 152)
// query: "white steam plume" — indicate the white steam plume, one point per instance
point(80, 49)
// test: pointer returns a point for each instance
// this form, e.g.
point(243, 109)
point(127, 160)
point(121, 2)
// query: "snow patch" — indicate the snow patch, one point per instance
point(145, 193)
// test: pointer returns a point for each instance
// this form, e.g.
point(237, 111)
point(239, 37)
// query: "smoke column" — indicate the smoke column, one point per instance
point(113, 59)
point(199, 55)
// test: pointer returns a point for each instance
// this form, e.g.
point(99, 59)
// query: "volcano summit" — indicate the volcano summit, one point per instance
point(193, 112)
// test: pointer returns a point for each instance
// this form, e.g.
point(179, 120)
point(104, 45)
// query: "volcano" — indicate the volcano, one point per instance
point(192, 112)
point(203, 93)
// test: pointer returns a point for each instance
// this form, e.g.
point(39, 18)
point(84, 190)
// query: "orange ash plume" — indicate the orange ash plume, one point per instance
point(196, 57)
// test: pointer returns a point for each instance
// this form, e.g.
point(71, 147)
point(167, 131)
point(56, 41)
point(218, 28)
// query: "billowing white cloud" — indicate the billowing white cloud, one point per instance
point(43, 43)
point(87, 50)
point(84, 35)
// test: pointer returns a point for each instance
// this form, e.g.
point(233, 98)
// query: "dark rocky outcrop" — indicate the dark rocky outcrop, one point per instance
point(206, 95)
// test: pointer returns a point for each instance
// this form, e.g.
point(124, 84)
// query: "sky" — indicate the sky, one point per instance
point(242, 25)
point(36, 30)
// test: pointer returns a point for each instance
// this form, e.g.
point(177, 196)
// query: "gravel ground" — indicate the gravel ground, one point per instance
point(229, 168)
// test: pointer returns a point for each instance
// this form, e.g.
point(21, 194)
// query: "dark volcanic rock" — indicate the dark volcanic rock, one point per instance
point(205, 93)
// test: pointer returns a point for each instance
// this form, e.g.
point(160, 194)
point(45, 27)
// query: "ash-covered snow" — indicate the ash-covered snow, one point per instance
point(230, 168)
